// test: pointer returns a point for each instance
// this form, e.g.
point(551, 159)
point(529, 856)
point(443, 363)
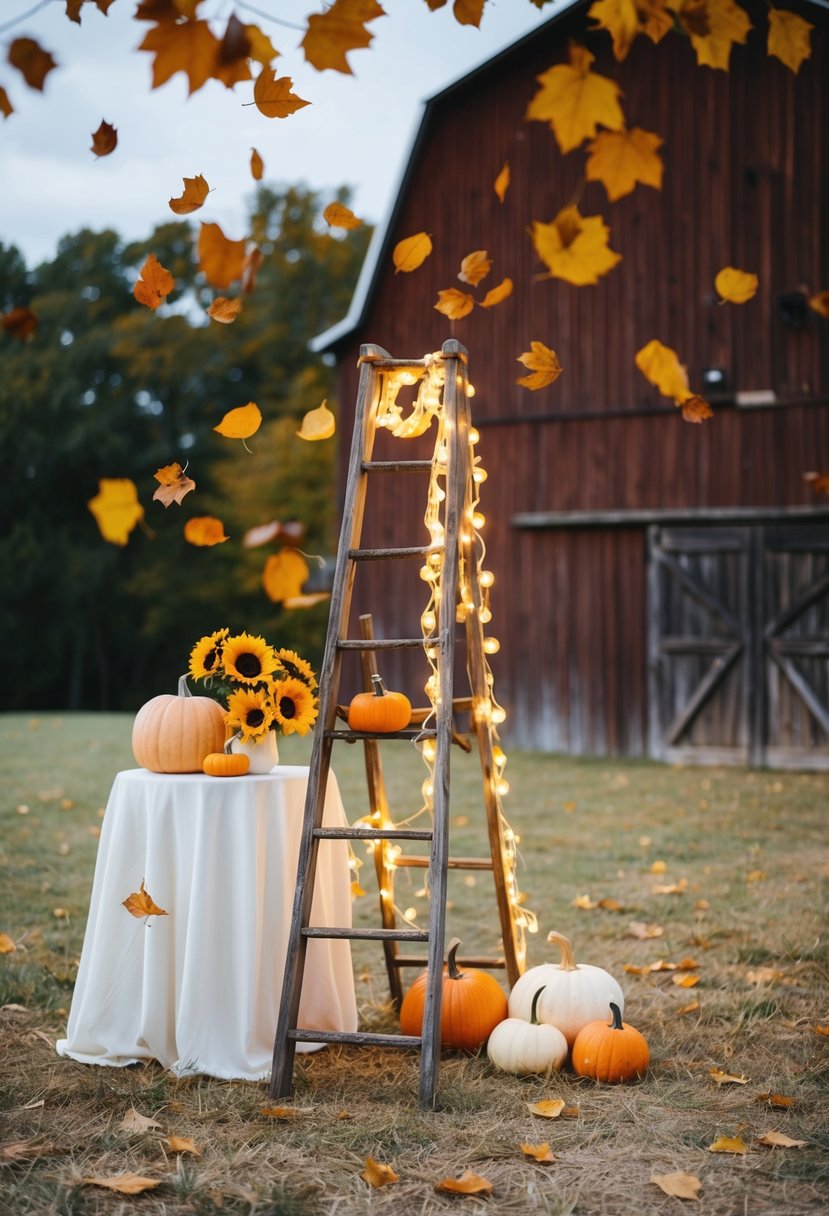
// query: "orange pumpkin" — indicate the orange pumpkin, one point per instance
point(226, 764)
point(610, 1051)
point(173, 734)
point(472, 1005)
point(379, 712)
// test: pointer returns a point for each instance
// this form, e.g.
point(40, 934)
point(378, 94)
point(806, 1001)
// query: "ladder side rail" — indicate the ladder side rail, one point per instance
point(353, 507)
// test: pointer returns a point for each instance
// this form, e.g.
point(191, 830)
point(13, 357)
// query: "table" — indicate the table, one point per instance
point(199, 989)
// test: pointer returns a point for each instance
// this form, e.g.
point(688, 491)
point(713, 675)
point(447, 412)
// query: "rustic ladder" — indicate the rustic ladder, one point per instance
point(458, 546)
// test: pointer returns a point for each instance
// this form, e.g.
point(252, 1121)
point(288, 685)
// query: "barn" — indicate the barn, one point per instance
point(662, 587)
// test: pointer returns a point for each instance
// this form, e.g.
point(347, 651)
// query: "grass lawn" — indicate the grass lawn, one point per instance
point(731, 865)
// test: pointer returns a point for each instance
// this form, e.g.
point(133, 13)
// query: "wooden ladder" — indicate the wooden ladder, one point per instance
point(457, 546)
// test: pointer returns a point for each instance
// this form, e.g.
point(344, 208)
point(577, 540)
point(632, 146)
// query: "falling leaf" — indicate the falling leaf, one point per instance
point(274, 97)
point(727, 24)
point(183, 1144)
point(250, 268)
point(819, 303)
point(725, 1078)
point(155, 283)
point(538, 1152)
point(468, 12)
point(221, 259)
point(187, 46)
point(685, 981)
point(737, 286)
point(7, 946)
point(575, 101)
point(575, 247)
point(6, 107)
point(411, 252)
point(204, 531)
point(545, 368)
point(332, 34)
point(336, 215)
point(140, 904)
point(678, 1185)
point(134, 1123)
point(20, 323)
point(306, 601)
point(467, 1184)
point(257, 165)
point(695, 408)
point(124, 1184)
point(643, 932)
point(621, 19)
point(776, 1101)
point(241, 422)
point(104, 140)
point(496, 294)
point(818, 481)
point(376, 1174)
point(454, 303)
point(116, 508)
point(728, 1144)
point(357, 892)
point(318, 424)
point(475, 267)
point(780, 1140)
point(548, 1108)
point(173, 484)
point(661, 367)
point(31, 60)
point(224, 310)
point(195, 192)
point(620, 159)
point(284, 574)
point(293, 531)
point(501, 183)
point(788, 38)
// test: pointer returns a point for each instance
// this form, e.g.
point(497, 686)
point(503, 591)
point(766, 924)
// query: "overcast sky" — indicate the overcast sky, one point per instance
point(357, 130)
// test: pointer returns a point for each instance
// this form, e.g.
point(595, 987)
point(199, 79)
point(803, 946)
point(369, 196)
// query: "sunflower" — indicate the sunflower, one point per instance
point(206, 655)
point(294, 706)
point(297, 667)
point(250, 712)
point(248, 659)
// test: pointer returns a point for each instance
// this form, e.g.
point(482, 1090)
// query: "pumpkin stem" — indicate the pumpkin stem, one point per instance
point(378, 685)
point(183, 690)
point(616, 1024)
point(533, 1018)
point(454, 970)
point(568, 961)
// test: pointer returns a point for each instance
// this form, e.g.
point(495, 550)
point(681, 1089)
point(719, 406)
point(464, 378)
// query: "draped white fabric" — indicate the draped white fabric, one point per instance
point(199, 989)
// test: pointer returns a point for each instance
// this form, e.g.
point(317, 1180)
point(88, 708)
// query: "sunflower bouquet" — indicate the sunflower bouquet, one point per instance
point(263, 688)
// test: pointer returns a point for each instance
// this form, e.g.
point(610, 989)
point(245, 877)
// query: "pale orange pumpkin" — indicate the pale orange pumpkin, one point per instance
point(173, 734)
point(226, 764)
point(472, 1005)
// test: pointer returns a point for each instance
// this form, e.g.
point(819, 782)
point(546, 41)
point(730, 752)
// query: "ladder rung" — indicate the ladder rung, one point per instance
point(394, 466)
point(454, 863)
point(353, 735)
point(384, 643)
point(415, 960)
point(380, 555)
point(380, 935)
point(371, 834)
point(355, 1036)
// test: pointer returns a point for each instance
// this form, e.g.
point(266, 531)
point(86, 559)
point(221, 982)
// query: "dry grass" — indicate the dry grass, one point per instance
point(750, 844)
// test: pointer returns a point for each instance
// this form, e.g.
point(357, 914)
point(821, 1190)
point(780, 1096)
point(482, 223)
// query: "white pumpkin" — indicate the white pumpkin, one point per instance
point(574, 993)
point(522, 1047)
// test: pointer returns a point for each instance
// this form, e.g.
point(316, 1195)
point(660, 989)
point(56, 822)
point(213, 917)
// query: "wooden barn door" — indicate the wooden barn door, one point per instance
point(738, 645)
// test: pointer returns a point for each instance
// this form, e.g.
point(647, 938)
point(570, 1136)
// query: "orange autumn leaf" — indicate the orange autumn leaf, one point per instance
point(538, 1152)
point(454, 303)
point(736, 286)
point(231, 66)
point(788, 38)
point(183, 1144)
point(31, 60)
point(275, 97)
point(819, 303)
point(547, 1108)
point(620, 159)
point(241, 422)
point(221, 259)
point(685, 981)
point(776, 1101)
point(116, 508)
point(543, 364)
point(332, 34)
point(644, 932)
point(293, 531)
point(195, 192)
point(621, 19)
point(281, 1112)
point(678, 1185)
point(501, 183)
point(104, 140)
point(411, 252)
point(691, 1007)
point(728, 1144)
point(204, 531)
point(7, 946)
point(727, 24)
point(318, 424)
point(224, 310)
point(6, 107)
point(574, 247)
point(173, 484)
point(575, 101)
point(695, 408)
point(20, 323)
point(251, 266)
point(726, 1078)
point(336, 215)
point(818, 481)
point(186, 46)
point(154, 284)
point(124, 1184)
point(495, 295)
point(475, 267)
point(285, 574)
point(468, 1184)
point(468, 12)
point(585, 903)
point(257, 165)
point(376, 1174)
point(140, 904)
point(780, 1140)
point(661, 367)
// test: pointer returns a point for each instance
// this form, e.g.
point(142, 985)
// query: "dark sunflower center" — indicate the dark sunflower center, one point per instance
point(255, 717)
point(291, 668)
point(287, 707)
point(248, 665)
point(210, 660)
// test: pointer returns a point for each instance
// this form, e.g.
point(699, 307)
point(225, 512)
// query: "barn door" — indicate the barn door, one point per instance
point(738, 645)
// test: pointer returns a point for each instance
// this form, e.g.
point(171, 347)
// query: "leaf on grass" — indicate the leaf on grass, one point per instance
point(819, 303)
point(760, 976)
point(661, 367)
point(671, 888)
point(736, 286)
point(538, 1152)
point(376, 1174)
point(543, 363)
point(501, 183)
point(780, 1140)
point(204, 531)
point(224, 310)
point(20, 323)
point(134, 1123)
point(104, 140)
point(620, 159)
point(28, 1150)
point(183, 1144)
point(192, 197)
point(274, 96)
point(679, 1185)
point(777, 1101)
point(695, 409)
point(7, 946)
point(187, 46)
point(241, 422)
point(284, 574)
point(467, 1184)
point(575, 101)
point(221, 259)
point(454, 303)
point(788, 38)
point(283, 1112)
point(575, 247)
point(411, 252)
point(643, 932)
point(585, 903)
point(31, 60)
point(154, 284)
point(140, 904)
point(257, 165)
point(124, 1184)
point(685, 981)
point(336, 215)
point(319, 423)
point(496, 294)
point(475, 267)
point(691, 1007)
point(726, 1078)
point(116, 508)
point(332, 34)
point(821, 1030)
point(547, 1108)
point(728, 1144)
point(174, 484)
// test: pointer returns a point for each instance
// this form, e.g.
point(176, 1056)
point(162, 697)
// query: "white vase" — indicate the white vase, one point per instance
point(263, 754)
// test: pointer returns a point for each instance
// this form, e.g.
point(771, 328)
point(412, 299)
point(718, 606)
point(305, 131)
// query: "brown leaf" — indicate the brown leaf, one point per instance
point(543, 364)
point(224, 310)
point(173, 484)
point(6, 107)
point(188, 46)
point(20, 323)
point(104, 140)
point(695, 409)
point(274, 97)
point(204, 531)
point(538, 1152)
point(183, 1144)
point(821, 1030)
point(496, 294)
point(728, 1144)
point(642, 932)
point(691, 1007)
point(332, 34)
point(475, 267)
point(454, 303)
point(678, 1185)
point(28, 1150)
point(818, 481)
point(467, 1184)
point(140, 904)
point(293, 532)
point(134, 1123)
point(283, 1112)
point(376, 1174)
point(547, 1108)
point(257, 165)
point(779, 1140)
point(29, 58)
point(776, 1101)
point(725, 1078)
point(154, 284)
point(411, 252)
point(819, 303)
point(501, 183)
point(192, 197)
point(221, 259)
point(124, 1184)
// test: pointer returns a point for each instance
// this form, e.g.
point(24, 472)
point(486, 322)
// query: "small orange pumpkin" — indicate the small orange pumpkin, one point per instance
point(173, 734)
point(610, 1051)
point(379, 712)
point(472, 1005)
point(226, 764)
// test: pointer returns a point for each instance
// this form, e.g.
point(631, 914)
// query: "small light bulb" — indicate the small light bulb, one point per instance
point(473, 435)
point(487, 578)
point(478, 520)
point(470, 390)
point(479, 474)
point(498, 714)
point(502, 786)
point(485, 616)
point(491, 645)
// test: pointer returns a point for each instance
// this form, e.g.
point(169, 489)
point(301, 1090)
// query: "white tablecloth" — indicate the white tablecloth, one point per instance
point(199, 989)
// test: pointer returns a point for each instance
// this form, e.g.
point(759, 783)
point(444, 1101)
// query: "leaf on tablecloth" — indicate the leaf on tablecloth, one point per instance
point(140, 904)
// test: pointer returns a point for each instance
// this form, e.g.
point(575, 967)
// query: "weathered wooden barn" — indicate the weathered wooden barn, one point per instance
point(662, 588)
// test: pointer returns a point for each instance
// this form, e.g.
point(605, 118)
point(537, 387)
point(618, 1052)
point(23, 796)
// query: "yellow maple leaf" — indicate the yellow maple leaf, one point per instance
point(788, 38)
point(188, 46)
point(336, 215)
point(224, 310)
point(140, 904)
point(678, 1185)
point(173, 484)
point(620, 159)
point(332, 34)
point(496, 294)
point(240, 423)
point(454, 303)
point(727, 24)
point(318, 424)
point(501, 183)
point(257, 165)
point(819, 303)
point(195, 192)
point(284, 575)
point(221, 259)
point(656, 19)
point(547, 1108)
point(274, 97)
point(621, 19)
point(538, 1152)
point(576, 101)
point(543, 363)
point(661, 367)
point(728, 1144)
point(376, 1174)
point(575, 247)
point(124, 1184)
point(734, 285)
point(204, 531)
point(116, 508)
point(475, 267)
point(155, 283)
point(411, 252)
point(469, 1183)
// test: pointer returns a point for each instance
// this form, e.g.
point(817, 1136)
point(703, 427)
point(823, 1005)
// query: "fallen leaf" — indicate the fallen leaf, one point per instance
point(756, 876)
point(760, 976)
point(691, 1007)
point(538, 1152)
point(336, 215)
point(788, 38)
point(7, 946)
point(611, 905)
point(496, 294)
point(284, 574)
point(28, 1150)
point(340, 29)
point(241, 422)
point(192, 197)
point(475, 267)
point(411, 252)
point(116, 508)
point(545, 368)
point(173, 484)
point(140, 904)
point(183, 1144)
point(620, 159)
point(318, 424)
point(585, 903)
point(31, 60)
point(678, 1185)
point(221, 259)
point(454, 303)
point(204, 531)
point(821, 1030)
point(725, 1078)
point(467, 1184)
point(643, 932)
point(728, 1144)
point(376, 1174)
point(575, 101)
point(274, 96)
point(501, 183)
point(134, 1123)
point(154, 284)
point(659, 867)
point(547, 1108)
point(685, 981)
point(575, 247)
point(104, 140)
point(671, 888)
point(20, 323)
point(257, 165)
point(282, 1112)
point(777, 1101)
point(779, 1140)
point(124, 1184)
point(737, 286)
point(224, 310)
